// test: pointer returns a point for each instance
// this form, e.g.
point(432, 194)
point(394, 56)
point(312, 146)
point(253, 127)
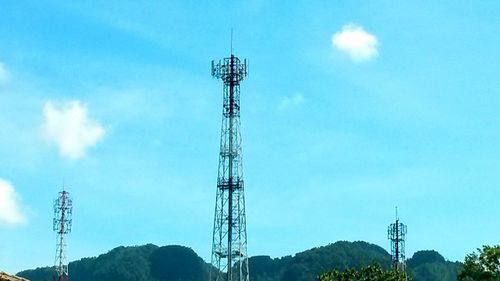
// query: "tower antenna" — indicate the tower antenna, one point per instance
point(63, 209)
point(229, 242)
point(231, 40)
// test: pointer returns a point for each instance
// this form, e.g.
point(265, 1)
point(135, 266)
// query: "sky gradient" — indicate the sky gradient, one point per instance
point(350, 109)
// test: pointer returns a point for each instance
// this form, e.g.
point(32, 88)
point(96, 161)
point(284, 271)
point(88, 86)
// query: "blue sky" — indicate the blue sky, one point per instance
point(114, 99)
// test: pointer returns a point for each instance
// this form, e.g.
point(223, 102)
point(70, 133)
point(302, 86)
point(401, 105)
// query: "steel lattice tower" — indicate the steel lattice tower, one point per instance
point(229, 244)
point(63, 208)
point(397, 237)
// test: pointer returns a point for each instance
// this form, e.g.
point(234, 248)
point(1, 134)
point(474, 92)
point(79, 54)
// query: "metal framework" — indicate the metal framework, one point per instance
point(229, 244)
point(397, 237)
point(63, 208)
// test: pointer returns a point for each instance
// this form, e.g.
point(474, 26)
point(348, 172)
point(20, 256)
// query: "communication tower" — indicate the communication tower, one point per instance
point(63, 208)
point(229, 243)
point(397, 237)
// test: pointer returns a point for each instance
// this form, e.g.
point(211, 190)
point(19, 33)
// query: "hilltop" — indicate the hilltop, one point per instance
point(154, 263)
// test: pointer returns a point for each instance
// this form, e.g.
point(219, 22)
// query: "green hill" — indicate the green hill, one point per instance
point(430, 265)
point(153, 263)
point(309, 264)
point(137, 263)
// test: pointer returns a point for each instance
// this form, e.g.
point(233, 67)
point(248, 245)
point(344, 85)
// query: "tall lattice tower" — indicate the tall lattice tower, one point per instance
point(229, 244)
point(397, 237)
point(63, 208)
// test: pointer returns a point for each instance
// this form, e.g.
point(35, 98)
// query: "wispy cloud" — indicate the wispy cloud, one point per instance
point(290, 102)
point(70, 128)
point(356, 42)
point(10, 211)
point(4, 74)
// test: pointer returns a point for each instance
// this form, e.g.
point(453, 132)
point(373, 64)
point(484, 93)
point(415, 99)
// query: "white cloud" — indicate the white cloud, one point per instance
point(4, 74)
point(356, 42)
point(70, 128)
point(290, 102)
point(10, 212)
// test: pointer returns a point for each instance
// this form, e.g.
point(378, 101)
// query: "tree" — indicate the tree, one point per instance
point(484, 266)
point(369, 273)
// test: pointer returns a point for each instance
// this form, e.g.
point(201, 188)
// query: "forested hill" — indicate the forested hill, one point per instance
point(138, 263)
point(153, 263)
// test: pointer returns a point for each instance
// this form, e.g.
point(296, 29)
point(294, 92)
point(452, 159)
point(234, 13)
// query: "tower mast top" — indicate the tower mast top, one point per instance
point(231, 41)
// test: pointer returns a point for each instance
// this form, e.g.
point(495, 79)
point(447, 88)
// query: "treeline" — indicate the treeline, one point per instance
point(137, 263)
point(153, 263)
point(308, 265)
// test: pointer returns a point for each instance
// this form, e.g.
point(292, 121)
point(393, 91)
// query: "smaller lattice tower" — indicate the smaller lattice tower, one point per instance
point(397, 237)
point(63, 208)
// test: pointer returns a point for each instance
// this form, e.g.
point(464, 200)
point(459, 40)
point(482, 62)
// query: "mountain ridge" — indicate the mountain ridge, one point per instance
point(175, 262)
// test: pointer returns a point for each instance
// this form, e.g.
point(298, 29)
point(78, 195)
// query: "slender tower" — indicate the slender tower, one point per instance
point(397, 237)
point(229, 244)
point(63, 208)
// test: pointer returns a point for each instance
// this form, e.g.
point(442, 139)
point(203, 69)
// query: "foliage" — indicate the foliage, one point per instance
point(484, 266)
point(177, 263)
point(263, 268)
point(430, 265)
point(153, 263)
point(138, 263)
point(368, 273)
point(309, 264)
point(423, 257)
point(39, 274)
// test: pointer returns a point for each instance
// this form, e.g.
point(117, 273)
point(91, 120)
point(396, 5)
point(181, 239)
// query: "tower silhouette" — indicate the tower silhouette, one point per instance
point(229, 243)
point(396, 234)
point(63, 208)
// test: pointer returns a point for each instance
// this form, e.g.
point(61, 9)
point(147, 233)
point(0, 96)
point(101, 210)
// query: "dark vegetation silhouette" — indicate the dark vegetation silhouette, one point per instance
point(153, 263)
point(371, 273)
point(482, 266)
